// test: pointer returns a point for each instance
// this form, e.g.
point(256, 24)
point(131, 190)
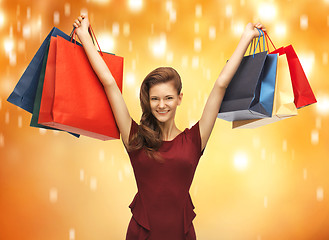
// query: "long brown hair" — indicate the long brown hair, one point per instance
point(149, 134)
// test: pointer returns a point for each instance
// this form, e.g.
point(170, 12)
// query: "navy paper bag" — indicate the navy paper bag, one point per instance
point(24, 93)
point(250, 94)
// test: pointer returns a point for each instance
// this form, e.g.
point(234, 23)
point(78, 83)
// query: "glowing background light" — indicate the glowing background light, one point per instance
point(93, 183)
point(2, 19)
point(304, 22)
point(115, 29)
point(2, 140)
point(307, 61)
point(325, 58)
point(322, 105)
point(240, 161)
point(267, 12)
point(197, 44)
point(67, 9)
point(212, 33)
point(72, 234)
point(106, 42)
point(172, 15)
point(280, 30)
point(53, 195)
point(126, 29)
point(228, 11)
point(8, 45)
point(130, 79)
point(198, 10)
point(159, 45)
point(169, 5)
point(315, 137)
point(100, 1)
point(238, 28)
point(82, 175)
point(27, 32)
point(319, 194)
point(56, 18)
point(135, 5)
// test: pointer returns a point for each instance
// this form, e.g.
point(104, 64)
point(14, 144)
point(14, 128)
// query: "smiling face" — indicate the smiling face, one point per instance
point(164, 100)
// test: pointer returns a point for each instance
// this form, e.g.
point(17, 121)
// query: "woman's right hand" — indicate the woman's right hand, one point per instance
point(81, 24)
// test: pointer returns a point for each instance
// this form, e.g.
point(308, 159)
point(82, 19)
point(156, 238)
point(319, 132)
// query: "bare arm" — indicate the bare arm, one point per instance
point(215, 98)
point(113, 93)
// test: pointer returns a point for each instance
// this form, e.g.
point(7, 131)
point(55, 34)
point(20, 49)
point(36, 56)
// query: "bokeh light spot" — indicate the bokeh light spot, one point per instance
point(106, 42)
point(267, 11)
point(159, 45)
point(322, 105)
point(319, 194)
point(135, 5)
point(240, 161)
point(2, 19)
point(72, 234)
point(53, 195)
point(8, 45)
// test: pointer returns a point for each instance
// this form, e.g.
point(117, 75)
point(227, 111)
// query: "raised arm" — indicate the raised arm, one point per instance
point(215, 98)
point(113, 93)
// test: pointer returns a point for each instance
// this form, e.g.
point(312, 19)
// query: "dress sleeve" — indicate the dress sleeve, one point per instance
point(133, 129)
point(196, 137)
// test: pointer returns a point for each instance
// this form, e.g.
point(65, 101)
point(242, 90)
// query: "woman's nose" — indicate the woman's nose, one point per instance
point(161, 103)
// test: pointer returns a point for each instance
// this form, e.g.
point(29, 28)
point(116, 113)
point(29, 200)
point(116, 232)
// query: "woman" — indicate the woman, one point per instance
point(164, 158)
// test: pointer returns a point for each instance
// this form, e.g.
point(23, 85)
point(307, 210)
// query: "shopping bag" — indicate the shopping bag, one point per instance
point(283, 105)
point(302, 90)
point(24, 92)
point(37, 100)
point(303, 93)
point(73, 98)
point(251, 91)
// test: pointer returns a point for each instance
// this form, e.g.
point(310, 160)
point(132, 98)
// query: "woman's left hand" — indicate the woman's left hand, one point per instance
point(251, 30)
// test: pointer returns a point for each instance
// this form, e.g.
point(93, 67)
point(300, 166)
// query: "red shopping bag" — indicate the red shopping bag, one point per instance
point(73, 98)
point(303, 93)
point(302, 90)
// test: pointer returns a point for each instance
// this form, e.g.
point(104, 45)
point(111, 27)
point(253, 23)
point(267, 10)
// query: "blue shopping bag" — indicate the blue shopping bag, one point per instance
point(24, 92)
point(250, 94)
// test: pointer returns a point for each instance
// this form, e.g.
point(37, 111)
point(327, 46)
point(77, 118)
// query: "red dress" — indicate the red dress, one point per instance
point(162, 208)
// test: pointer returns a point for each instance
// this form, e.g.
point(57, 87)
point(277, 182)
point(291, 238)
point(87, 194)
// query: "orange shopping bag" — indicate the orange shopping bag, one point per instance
point(73, 98)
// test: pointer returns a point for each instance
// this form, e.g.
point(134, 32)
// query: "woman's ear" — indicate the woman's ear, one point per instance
point(180, 97)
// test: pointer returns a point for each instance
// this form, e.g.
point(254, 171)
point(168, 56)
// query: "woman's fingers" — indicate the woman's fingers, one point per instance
point(260, 26)
point(77, 22)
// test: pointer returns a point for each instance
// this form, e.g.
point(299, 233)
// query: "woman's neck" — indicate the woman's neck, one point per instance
point(169, 130)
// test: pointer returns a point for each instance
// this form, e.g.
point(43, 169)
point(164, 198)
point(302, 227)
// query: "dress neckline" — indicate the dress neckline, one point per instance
point(169, 141)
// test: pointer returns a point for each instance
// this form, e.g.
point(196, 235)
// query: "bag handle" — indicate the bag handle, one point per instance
point(268, 37)
point(92, 34)
point(253, 42)
point(261, 33)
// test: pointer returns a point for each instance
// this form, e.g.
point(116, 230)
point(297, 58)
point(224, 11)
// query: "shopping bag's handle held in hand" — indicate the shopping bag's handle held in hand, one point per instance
point(92, 34)
point(261, 34)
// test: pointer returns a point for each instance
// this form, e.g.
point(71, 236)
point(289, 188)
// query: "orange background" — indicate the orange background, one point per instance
point(54, 186)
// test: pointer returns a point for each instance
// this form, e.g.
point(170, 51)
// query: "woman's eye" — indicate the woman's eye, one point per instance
point(153, 99)
point(170, 98)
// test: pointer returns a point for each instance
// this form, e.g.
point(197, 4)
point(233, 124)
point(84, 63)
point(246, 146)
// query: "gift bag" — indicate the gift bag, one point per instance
point(302, 90)
point(283, 105)
point(303, 93)
point(24, 92)
point(37, 100)
point(73, 98)
point(251, 91)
